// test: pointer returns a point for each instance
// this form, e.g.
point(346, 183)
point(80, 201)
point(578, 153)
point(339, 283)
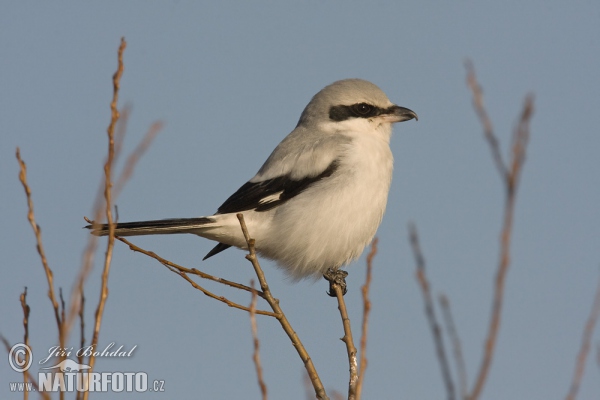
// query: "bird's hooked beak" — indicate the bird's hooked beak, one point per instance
point(399, 114)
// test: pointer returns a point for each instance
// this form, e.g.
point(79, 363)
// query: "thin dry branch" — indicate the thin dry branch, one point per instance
point(26, 310)
point(488, 130)
point(510, 176)
point(461, 369)
point(92, 244)
point(430, 312)
point(585, 346)
point(90, 249)
point(30, 378)
point(108, 198)
point(183, 272)
point(365, 322)
point(80, 355)
point(256, 354)
point(347, 339)
point(40, 248)
point(135, 156)
point(279, 314)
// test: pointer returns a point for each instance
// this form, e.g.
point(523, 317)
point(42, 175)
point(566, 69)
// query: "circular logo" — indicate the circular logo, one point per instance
point(20, 357)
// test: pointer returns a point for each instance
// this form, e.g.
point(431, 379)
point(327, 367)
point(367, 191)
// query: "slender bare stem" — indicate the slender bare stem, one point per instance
point(108, 198)
point(183, 272)
point(510, 177)
point(30, 378)
point(80, 355)
point(26, 310)
point(90, 249)
point(430, 312)
point(488, 130)
point(585, 346)
point(365, 322)
point(256, 354)
point(92, 244)
point(461, 369)
point(40, 248)
point(135, 156)
point(348, 340)
point(285, 324)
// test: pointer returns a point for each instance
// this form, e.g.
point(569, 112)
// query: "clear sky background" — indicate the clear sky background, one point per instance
point(229, 81)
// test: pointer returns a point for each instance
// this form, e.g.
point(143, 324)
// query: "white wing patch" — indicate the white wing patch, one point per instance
point(271, 198)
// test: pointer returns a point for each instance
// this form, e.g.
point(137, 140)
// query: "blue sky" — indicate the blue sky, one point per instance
point(229, 81)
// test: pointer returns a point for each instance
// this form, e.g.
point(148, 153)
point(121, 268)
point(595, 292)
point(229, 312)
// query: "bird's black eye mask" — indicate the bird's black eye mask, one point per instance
point(359, 110)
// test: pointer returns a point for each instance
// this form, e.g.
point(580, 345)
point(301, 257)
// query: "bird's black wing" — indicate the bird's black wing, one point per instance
point(266, 195)
point(270, 193)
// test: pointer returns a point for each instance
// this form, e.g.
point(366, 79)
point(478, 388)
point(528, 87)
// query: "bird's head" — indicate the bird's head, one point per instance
point(352, 105)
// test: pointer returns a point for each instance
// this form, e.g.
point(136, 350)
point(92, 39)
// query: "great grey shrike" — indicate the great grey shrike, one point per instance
point(319, 198)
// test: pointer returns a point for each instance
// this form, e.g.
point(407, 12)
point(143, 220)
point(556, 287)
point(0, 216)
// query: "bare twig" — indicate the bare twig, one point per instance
point(135, 156)
point(510, 176)
point(30, 378)
point(80, 355)
point(488, 130)
point(183, 272)
point(285, 324)
point(365, 322)
point(430, 312)
point(347, 339)
point(26, 310)
point(40, 248)
point(256, 354)
point(108, 197)
point(99, 206)
point(461, 369)
point(91, 246)
point(585, 346)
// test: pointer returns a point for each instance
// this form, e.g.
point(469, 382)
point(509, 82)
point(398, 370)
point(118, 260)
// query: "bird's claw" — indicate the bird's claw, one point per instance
point(336, 277)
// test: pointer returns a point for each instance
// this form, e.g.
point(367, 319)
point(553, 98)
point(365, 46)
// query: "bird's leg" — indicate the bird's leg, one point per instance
point(336, 277)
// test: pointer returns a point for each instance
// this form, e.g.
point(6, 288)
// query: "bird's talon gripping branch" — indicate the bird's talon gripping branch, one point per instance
point(336, 277)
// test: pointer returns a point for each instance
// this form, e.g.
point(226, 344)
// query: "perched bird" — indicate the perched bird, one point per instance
point(319, 198)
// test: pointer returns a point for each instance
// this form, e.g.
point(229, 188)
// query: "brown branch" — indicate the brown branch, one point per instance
point(80, 355)
point(90, 250)
point(585, 346)
point(461, 369)
point(488, 130)
point(135, 156)
point(40, 248)
point(108, 197)
point(256, 354)
point(98, 207)
point(285, 324)
point(26, 310)
point(347, 339)
point(430, 312)
point(365, 322)
point(510, 176)
point(183, 272)
point(30, 378)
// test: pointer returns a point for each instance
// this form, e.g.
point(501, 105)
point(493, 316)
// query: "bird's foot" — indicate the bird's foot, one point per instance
point(336, 277)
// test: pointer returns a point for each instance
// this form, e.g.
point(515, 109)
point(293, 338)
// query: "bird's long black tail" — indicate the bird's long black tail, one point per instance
point(156, 227)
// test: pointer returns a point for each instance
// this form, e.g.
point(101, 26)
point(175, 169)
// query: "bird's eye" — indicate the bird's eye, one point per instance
point(362, 109)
